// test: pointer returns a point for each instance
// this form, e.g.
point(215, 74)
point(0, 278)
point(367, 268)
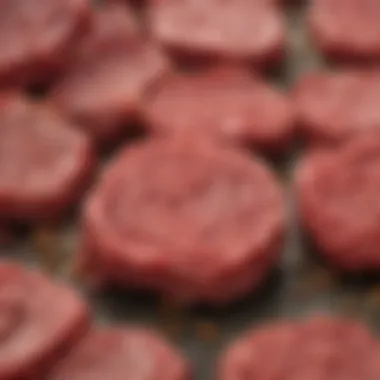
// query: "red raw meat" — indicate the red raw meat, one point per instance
point(238, 30)
point(36, 37)
point(323, 348)
point(338, 191)
point(224, 104)
point(335, 106)
point(103, 87)
point(40, 321)
point(45, 164)
point(196, 222)
point(346, 29)
point(122, 354)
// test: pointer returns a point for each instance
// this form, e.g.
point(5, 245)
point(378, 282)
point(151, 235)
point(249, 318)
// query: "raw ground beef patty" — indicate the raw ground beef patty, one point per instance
point(45, 164)
point(346, 29)
point(338, 196)
point(195, 222)
point(323, 348)
point(335, 106)
point(224, 104)
point(122, 353)
point(39, 321)
point(113, 66)
point(36, 36)
point(238, 30)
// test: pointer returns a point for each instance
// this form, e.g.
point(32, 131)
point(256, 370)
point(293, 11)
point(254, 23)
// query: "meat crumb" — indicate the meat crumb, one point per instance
point(45, 244)
point(172, 317)
point(207, 331)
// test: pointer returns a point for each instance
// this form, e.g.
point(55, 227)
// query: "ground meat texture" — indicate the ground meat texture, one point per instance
point(323, 347)
point(237, 30)
point(339, 203)
point(123, 353)
point(195, 222)
point(335, 106)
point(346, 29)
point(39, 321)
point(224, 104)
point(37, 36)
point(45, 164)
point(106, 80)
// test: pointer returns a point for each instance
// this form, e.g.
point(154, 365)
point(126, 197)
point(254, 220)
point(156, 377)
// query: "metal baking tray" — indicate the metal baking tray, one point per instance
point(301, 285)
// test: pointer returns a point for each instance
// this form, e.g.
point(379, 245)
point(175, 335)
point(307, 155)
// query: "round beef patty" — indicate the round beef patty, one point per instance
point(346, 29)
point(195, 222)
point(218, 30)
point(319, 348)
point(39, 321)
point(335, 106)
point(45, 164)
point(339, 203)
point(224, 104)
point(122, 354)
point(37, 37)
point(108, 76)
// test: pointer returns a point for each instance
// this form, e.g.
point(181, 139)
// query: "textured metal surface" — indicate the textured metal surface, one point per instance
point(301, 285)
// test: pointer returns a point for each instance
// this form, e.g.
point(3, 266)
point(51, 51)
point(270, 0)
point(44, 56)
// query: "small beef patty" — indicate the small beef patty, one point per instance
point(323, 348)
point(40, 320)
point(45, 163)
point(225, 104)
point(346, 29)
point(193, 221)
point(108, 76)
point(37, 36)
point(335, 106)
point(249, 31)
point(339, 202)
point(122, 353)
